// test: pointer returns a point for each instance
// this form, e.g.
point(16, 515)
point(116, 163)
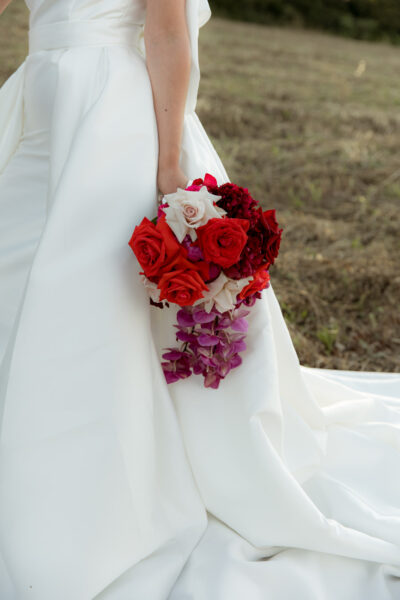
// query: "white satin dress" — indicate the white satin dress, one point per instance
point(283, 484)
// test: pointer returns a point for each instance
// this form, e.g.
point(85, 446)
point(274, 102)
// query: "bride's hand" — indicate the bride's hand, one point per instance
point(169, 179)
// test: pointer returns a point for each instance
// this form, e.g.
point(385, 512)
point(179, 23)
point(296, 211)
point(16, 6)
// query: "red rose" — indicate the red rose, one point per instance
point(259, 282)
point(271, 234)
point(183, 283)
point(222, 240)
point(154, 245)
point(182, 262)
point(182, 286)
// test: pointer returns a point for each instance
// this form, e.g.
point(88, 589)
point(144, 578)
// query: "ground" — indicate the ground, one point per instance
point(310, 123)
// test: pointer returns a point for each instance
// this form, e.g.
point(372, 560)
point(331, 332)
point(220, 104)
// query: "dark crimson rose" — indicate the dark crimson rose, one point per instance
point(154, 245)
point(237, 202)
point(262, 245)
point(259, 282)
point(250, 259)
point(183, 282)
point(268, 226)
point(222, 240)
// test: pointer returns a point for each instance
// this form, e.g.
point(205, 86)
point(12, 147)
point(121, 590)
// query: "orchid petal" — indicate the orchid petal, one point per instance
point(208, 340)
point(240, 324)
point(201, 316)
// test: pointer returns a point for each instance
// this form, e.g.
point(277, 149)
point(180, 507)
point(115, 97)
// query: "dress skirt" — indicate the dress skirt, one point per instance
point(281, 484)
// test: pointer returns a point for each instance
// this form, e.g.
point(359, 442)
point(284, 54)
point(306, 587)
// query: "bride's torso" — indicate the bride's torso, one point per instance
point(59, 25)
point(73, 42)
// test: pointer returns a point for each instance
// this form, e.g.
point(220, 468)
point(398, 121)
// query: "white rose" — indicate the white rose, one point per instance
point(151, 287)
point(189, 209)
point(222, 291)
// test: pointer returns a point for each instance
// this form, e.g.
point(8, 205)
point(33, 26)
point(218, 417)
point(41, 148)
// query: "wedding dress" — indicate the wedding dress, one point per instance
point(282, 484)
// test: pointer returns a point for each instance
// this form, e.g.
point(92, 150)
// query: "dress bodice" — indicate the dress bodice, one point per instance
point(49, 11)
point(56, 24)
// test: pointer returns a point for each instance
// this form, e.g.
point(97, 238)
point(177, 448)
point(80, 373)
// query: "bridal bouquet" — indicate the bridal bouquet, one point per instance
point(208, 251)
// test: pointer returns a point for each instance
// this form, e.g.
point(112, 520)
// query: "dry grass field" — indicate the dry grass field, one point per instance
point(311, 124)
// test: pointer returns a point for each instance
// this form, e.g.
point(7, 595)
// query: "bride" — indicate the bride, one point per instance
point(281, 484)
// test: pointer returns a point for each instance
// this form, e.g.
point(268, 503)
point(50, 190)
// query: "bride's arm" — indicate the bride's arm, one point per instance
point(168, 61)
point(3, 5)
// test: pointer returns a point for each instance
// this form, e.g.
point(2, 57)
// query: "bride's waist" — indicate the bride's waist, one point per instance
point(90, 32)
